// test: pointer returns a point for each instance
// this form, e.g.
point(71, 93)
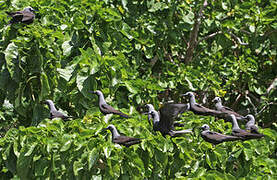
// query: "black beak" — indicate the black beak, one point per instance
point(93, 92)
point(184, 94)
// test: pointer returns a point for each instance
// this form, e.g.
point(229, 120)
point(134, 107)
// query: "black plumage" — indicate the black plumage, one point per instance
point(105, 108)
point(165, 126)
point(122, 140)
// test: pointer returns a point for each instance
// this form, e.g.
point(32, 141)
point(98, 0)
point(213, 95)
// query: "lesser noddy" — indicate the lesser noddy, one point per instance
point(168, 113)
point(250, 125)
point(150, 108)
point(26, 16)
point(215, 137)
point(220, 107)
point(199, 109)
point(54, 113)
point(105, 108)
point(165, 126)
point(122, 140)
point(245, 135)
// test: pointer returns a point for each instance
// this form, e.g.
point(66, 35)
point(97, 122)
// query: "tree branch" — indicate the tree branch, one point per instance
point(237, 38)
point(272, 85)
point(194, 34)
point(209, 36)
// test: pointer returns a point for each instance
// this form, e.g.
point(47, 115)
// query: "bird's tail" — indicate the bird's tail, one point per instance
point(123, 115)
point(179, 133)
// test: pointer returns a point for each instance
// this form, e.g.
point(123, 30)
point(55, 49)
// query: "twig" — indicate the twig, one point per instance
point(209, 36)
point(265, 106)
point(254, 107)
point(194, 34)
point(272, 85)
point(237, 39)
point(246, 32)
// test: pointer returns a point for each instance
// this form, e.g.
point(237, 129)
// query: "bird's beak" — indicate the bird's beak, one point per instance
point(184, 94)
point(35, 10)
point(145, 113)
point(105, 129)
point(93, 92)
point(213, 100)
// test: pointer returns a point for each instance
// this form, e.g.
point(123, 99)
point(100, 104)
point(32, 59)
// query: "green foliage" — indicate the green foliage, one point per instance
point(135, 52)
point(64, 150)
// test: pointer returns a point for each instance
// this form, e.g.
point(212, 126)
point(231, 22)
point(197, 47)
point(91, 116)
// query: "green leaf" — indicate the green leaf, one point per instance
point(11, 57)
point(77, 166)
point(92, 158)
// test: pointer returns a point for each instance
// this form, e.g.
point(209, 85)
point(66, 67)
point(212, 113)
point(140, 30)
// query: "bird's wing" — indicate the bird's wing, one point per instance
point(169, 113)
point(109, 109)
point(221, 137)
point(28, 16)
point(126, 139)
point(227, 108)
point(58, 114)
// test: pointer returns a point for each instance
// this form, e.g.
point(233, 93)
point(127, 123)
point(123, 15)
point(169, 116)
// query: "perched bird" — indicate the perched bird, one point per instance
point(220, 107)
point(105, 108)
point(165, 127)
point(214, 137)
point(245, 135)
point(168, 113)
point(26, 16)
point(199, 109)
point(150, 108)
point(122, 140)
point(54, 113)
point(250, 125)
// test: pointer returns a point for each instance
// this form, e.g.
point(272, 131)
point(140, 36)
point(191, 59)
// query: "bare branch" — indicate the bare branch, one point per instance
point(237, 39)
point(265, 106)
point(194, 34)
point(272, 85)
point(209, 36)
point(250, 101)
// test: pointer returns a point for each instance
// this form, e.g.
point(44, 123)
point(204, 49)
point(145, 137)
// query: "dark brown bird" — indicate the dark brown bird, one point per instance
point(122, 140)
point(26, 16)
point(54, 113)
point(214, 137)
point(245, 135)
point(199, 109)
point(165, 126)
point(105, 108)
point(224, 109)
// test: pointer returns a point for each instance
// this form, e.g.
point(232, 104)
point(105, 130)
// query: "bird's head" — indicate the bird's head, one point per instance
point(48, 102)
point(149, 106)
point(205, 127)
point(190, 94)
point(29, 9)
point(249, 117)
point(110, 127)
point(96, 92)
point(216, 100)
